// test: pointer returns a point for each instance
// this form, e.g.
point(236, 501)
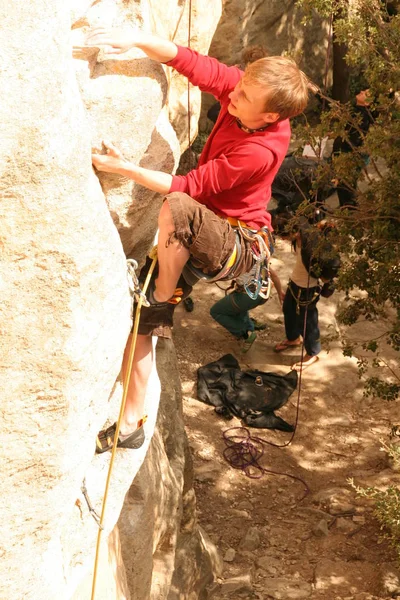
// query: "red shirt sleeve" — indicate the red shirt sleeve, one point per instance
point(224, 173)
point(205, 72)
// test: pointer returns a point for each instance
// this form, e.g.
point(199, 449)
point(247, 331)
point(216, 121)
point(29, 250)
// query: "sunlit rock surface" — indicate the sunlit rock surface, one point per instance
point(65, 304)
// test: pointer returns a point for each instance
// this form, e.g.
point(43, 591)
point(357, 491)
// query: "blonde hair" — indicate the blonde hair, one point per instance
point(286, 86)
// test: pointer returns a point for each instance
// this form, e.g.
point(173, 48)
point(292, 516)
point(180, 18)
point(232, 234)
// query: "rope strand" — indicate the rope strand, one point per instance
point(118, 425)
point(246, 451)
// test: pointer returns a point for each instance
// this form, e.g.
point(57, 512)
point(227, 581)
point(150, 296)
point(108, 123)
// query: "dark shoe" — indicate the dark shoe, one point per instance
point(247, 344)
point(159, 316)
point(105, 438)
point(188, 304)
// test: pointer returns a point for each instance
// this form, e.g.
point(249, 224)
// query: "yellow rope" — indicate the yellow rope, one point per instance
point(153, 255)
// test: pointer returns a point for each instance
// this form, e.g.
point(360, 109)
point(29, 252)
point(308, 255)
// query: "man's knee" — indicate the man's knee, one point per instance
point(165, 220)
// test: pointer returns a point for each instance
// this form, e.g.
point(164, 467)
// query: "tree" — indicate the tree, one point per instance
point(340, 70)
point(368, 33)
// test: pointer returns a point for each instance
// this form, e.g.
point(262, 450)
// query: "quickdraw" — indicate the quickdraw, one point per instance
point(133, 282)
point(91, 510)
point(259, 282)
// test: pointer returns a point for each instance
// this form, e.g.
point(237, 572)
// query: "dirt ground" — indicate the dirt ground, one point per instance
point(273, 543)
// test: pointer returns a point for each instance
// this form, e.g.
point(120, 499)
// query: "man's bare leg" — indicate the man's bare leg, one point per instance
point(140, 374)
point(172, 256)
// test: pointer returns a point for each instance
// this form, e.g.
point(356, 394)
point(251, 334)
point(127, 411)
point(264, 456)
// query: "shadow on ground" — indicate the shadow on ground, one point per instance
point(326, 546)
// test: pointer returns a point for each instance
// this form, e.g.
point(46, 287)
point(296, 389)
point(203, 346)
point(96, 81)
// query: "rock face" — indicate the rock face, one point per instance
point(156, 551)
point(65, 306)
point(131, 100)
point(183, 559)
point(277, 25)
point(65, 302)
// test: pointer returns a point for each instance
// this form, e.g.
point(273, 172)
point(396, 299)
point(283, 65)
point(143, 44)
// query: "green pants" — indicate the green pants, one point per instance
point(232, 312)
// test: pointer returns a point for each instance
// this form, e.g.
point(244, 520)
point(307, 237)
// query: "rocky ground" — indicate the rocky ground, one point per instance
point(273, 541)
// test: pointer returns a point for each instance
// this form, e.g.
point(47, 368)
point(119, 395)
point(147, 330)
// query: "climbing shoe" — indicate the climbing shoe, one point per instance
point(158, 316)
point(248, 342)
point(134, 440)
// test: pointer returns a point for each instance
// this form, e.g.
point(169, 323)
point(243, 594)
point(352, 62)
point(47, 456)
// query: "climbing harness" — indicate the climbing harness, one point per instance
point(300, 303)
point(192, 274)
point(259, 281)
point(140, 297)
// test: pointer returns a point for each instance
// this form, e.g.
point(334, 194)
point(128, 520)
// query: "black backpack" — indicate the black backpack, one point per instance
point(250, 395)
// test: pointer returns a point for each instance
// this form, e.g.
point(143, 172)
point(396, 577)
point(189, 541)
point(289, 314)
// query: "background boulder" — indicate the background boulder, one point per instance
point(278, 26)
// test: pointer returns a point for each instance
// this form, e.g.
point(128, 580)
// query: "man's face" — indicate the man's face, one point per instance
point(247, 103)
point(363, 99)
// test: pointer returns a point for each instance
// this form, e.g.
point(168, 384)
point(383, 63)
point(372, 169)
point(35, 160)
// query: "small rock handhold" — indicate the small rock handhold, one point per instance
point(359, 519)
point(236, 584)
point(251, 540)
point(321, 528)
point(230, 555)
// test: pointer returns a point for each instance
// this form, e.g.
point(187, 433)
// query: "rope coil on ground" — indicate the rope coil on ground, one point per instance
point(243, 452)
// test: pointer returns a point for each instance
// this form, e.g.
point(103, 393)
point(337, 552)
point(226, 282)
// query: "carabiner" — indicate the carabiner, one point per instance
point(133, 282)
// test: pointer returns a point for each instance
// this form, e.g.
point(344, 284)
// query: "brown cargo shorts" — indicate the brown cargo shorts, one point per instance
point(210, 240)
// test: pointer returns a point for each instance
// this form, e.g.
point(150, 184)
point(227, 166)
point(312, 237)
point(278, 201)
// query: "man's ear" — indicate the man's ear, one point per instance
point(270, 117)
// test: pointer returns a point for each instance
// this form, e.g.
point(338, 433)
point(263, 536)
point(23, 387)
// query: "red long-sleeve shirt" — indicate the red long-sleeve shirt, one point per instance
point(236, 169)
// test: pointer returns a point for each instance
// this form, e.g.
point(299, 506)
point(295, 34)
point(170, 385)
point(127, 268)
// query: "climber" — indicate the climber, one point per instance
point(200, 213)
